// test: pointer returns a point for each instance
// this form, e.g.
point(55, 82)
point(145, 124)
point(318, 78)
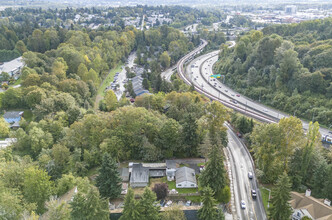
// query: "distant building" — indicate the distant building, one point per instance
point(185, 178)
point(306, 205)
point(139, 176)
point(290, 9)
point(13, 118)
point(13, 68)
point(138, 87)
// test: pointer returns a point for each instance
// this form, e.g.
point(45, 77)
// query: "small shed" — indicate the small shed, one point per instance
point(185, 178)
point(170, 169)
point(124, 174)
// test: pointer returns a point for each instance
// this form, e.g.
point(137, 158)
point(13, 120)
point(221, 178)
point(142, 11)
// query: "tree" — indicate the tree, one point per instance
point(20, 47)
point(280, 207)
point(146, 205)
point(58, 210)
point(59, 68)
point(190, 134)
point(37, 187)
point(82, 70)
point(89, 206)
point(173, 213)
point(224, 195)
point(108, 181)
point(214, 175)
point(161, 190)
point(4, 128)
point(208, 210)
point(110, 100)
point(165, 60)
point(327, 188)
point(130, 209)
point(216, 116)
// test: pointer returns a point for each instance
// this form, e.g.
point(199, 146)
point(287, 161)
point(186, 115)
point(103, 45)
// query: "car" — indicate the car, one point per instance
point(253, 194)
point(195, 78)
point(265, 110)
point(243, 204)
point(238, 95)
point(250, 176)
point(226, 90)
point(188, 203)
point(232, 94)
point(234, 101)
point(219, 86)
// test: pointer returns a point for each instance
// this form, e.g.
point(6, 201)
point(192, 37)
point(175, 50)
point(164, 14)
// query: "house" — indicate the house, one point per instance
point(306, 205)
point(185, 178)
point(13, 67)
point(170, 169)
point(13, 118)
point(139, 176)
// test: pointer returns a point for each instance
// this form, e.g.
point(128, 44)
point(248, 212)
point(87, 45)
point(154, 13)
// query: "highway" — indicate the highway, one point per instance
point(241, 164)
point(200, 76)
point(169, 72)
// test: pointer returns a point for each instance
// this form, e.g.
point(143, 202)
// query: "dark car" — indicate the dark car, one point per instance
point(253, 194)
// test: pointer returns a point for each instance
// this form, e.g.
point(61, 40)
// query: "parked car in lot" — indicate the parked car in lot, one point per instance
point(168, 203)
point(253, 194)
point(250, 176)
point(243, 204)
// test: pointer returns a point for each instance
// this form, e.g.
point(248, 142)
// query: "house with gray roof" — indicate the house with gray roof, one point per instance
point(185, 178)
point(139, 176)
point(13, 67)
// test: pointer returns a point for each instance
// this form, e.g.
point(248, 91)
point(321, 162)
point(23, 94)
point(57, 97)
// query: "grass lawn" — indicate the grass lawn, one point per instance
point(109, 78)
point(200, 164)
point(171, 185)
point(265, 196)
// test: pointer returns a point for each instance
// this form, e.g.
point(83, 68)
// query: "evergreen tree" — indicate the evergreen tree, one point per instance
point(146, 208)
point(130, 210)
point(214, 175)
point(109, 181)
point(328, 183)
point(89, 206)
point(190, 135)
point(280, 208)
point(208, 210)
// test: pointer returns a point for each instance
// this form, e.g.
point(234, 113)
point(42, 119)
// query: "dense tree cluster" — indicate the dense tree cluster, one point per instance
point(290, 71)
point(284, 147)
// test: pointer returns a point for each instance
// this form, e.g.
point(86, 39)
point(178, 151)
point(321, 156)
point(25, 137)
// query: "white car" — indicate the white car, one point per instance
point(265, 110)
point(243, 204)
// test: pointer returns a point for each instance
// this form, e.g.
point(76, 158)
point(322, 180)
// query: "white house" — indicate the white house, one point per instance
point(185, 178)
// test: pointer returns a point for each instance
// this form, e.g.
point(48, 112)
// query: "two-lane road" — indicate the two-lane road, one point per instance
point(241, 164)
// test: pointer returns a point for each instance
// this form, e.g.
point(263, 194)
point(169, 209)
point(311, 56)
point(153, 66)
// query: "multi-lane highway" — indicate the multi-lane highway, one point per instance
point(168, 73)
point(199, 72)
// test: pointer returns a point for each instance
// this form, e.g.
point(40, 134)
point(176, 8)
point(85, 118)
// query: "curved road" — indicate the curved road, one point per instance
point(202, 77)
point(169, 72)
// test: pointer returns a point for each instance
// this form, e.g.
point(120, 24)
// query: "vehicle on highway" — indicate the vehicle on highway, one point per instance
point(243, 204)
point(234, 101)
point(226, 90)
point(250, 176)
point(253, 194)
point(265, 110)
point(238, 95)
point(219, 86)
point(232, 94)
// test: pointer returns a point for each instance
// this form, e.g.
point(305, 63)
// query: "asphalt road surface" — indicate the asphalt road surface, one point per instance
point(199, 72)
point(241, 163)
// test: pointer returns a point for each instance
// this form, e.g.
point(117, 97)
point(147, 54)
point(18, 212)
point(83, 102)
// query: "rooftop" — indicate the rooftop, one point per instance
point(317, 209)
point(139, 174)
point(12, 65)
point(185, 174)
point(13, 114)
